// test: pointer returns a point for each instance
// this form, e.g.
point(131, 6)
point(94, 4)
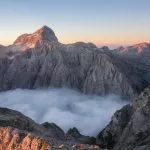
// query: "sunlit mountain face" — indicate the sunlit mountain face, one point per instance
point(45, 34)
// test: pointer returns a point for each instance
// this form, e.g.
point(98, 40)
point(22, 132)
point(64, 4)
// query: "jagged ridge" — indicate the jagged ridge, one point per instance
point(46, 62)
point(129, 128)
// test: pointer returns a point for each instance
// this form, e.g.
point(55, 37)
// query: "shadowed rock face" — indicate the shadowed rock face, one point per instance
point(80, 66)
point(130, 126)
point(19, 132)
point(73, 133)
point(52, 130)
point(135, 50)
point(15, 119)
point(87, 70)
point(137, 56)
point(38, 60)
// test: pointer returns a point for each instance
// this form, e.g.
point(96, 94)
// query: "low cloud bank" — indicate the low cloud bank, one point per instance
point(66, 108)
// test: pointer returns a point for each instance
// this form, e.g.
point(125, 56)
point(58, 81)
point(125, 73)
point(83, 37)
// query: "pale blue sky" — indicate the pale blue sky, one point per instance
point(102, 22)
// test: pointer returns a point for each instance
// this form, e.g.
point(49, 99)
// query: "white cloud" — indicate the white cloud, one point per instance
point(66, 108)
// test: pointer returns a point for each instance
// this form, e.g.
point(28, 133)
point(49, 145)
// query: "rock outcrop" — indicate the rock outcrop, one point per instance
point(18, 132)
point(38, 60)
point(73, 133)
point(3, 51)
point(14, 139)
point(130, 127)
point(81, 66)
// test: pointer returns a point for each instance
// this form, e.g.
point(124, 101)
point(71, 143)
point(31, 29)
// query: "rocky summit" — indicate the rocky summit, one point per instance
point(38, 60)
point(38, 38)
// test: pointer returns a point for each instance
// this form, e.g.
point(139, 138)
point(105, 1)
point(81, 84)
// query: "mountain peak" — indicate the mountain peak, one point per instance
point(141, 45)
point(46, 27)
point(135, 49)
point(40, 36)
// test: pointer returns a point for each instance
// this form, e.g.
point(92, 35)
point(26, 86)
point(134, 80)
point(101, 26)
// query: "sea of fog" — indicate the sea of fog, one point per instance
point(66, 108)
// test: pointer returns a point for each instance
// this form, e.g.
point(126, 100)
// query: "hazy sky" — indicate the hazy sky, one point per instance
point(102, 22)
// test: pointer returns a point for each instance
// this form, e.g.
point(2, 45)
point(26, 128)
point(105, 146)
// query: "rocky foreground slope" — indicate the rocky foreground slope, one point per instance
point(129, 128)
point(18, 132)
point(39, 60)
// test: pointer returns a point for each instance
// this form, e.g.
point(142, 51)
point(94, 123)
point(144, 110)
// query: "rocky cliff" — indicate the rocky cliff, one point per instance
point(137, 56)
point(129, 128)
point(18, 132)
point(38, 60)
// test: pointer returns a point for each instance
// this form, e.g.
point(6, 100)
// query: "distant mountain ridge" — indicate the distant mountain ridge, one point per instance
point(135, 49)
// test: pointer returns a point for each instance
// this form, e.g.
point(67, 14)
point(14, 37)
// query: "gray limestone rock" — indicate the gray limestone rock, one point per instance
point(87, 70)
point(38, 60)
point(130, 126)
